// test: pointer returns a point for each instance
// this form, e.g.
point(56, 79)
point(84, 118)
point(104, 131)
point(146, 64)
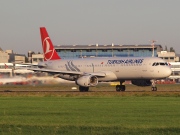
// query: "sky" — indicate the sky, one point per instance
point(83, 22)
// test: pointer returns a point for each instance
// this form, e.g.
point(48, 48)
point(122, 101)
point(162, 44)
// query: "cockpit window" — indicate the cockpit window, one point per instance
point(160, 63)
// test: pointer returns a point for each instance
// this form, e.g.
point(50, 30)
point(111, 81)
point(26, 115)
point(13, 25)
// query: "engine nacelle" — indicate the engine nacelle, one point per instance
point(141, 82)
point(86, 81)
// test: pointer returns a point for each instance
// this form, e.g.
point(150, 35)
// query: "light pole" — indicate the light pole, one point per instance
point(153, 43)
point(112, 50)
point(96, 50)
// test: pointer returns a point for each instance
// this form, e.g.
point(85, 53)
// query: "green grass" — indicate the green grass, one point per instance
point(95, 115)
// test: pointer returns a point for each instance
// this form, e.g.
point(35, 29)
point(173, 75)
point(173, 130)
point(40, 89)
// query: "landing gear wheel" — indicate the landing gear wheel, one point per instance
point(83, 89)
point(123, 88)
point(120, 87)
point(154, 88)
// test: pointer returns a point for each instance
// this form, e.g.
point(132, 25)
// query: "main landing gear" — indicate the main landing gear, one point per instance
point(153, 88)
point(121, 87)
point(83, 89)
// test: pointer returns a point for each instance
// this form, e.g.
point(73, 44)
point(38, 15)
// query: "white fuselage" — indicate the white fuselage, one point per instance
point(115, 68)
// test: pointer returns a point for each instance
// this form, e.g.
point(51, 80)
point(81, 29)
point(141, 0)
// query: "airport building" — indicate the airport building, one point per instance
point(35, 57)
point(4, 57)
point(80, 51)
point(175, 67)
point(168, 56)
point(77, 51)
point(9, 56)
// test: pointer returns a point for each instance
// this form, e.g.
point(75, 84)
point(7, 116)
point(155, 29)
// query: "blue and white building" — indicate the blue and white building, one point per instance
point(76, 51)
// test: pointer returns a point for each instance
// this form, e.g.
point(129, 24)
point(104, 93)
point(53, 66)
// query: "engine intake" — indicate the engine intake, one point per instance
point(141, 82)
point(86, 81)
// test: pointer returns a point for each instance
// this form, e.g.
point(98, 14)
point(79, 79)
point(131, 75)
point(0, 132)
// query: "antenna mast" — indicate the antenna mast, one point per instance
point(153, 43)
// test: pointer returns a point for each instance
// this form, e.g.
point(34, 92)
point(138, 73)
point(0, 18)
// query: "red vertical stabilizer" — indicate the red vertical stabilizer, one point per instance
point(47, 45)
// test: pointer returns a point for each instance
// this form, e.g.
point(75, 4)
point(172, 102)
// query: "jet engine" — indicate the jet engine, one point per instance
point(141, 82)
point(86, 81)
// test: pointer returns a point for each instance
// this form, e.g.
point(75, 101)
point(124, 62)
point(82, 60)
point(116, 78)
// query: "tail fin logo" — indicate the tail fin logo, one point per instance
point(48, 49)
point(47, 45)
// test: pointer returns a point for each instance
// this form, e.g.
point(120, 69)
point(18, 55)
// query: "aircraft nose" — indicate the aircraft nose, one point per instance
point(168, 71)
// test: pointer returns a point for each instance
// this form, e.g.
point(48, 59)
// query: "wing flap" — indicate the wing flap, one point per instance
point(54, 71)
point(99, 74)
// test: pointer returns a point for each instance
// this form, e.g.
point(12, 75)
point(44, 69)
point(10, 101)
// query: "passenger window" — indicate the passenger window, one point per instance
point(154, 64)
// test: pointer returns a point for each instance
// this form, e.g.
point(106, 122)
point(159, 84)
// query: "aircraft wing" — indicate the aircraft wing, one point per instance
point(100, 74)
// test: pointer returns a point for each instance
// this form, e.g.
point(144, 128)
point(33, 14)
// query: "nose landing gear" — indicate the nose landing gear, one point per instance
point(153, 88)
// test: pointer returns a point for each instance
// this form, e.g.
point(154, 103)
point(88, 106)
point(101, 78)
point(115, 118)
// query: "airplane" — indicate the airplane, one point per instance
point(88, 72)
point(13, 80)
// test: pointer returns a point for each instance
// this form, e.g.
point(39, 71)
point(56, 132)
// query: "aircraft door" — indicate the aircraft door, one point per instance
point(144, 70)
point(151, 70)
